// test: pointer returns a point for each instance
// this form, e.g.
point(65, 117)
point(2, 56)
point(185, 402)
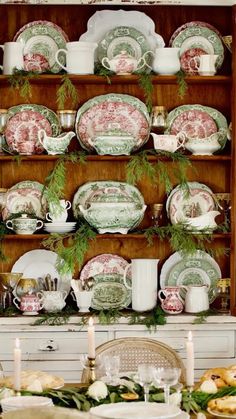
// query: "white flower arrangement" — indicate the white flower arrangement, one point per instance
point(98, 390)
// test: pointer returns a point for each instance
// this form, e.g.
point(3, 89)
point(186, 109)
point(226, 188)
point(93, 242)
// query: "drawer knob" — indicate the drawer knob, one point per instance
point(48, 346)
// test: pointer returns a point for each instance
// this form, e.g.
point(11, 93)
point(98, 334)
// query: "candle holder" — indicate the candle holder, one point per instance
point(91, 370)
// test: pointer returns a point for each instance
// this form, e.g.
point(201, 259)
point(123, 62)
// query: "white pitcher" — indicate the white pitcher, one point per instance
point(144, 283)
point(79, 57)
point(196, 299)
point(207, 64)
point(166, 61)
point(12, 57)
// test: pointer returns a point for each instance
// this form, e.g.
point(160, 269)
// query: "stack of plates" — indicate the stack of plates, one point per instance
point(21, 402)
point(59, 227)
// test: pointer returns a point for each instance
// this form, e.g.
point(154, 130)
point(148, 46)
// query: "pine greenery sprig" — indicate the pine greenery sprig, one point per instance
point(20, 80)
point(139, 166)
point(67, 90)
point(71, 248)
point(54, 184)
point(3, 231)
point(104, 72)
point(150, 319)
point(145, 82)
point(182, 85)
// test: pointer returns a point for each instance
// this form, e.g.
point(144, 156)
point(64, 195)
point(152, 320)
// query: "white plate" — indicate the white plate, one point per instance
point(38, 263)
point(104, 20)
point(137, 410)
point(59, 227)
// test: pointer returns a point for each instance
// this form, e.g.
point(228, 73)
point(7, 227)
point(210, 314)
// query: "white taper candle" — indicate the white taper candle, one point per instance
point(190, 360)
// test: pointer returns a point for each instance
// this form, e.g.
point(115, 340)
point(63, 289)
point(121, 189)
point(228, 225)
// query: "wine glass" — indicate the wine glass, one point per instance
point(145, 377)
point(112, 368)
point(166, 377)
point(3, 122)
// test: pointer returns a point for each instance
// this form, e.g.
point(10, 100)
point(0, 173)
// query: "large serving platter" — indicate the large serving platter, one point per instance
point(25, 196)
point(114, 113)
point(105, 191)
point(23, 124)
point(197, 121)
point(194, 39)
point(41, 40)
point(197, 269)
point(38, 263)
point(104, 21)
point(221, 414)
point(138, 410)
point(190, 202)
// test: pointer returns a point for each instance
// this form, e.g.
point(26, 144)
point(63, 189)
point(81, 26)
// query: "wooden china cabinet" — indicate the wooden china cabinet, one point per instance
point(219, 91)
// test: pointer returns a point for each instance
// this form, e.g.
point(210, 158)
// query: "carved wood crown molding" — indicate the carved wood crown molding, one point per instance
point(126, 2)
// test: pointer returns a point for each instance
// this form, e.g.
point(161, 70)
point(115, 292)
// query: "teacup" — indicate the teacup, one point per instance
point(83, 300)
point(29, 304)
point(52, 301)
point(24, 225)
point(167, 142)
point(58, 213)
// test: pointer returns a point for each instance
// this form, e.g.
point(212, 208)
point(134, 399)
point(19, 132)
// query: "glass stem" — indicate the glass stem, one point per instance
point(146, 392)
point(167, 394)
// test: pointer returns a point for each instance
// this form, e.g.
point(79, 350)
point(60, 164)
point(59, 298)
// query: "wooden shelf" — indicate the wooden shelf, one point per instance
point(130, 79)
point(90, 157)
point(100, 236)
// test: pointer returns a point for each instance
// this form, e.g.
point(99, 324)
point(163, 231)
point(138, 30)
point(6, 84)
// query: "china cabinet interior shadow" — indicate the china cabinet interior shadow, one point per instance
point(218, 172)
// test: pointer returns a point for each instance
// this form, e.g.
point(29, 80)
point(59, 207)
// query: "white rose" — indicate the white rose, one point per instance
point(176, 398)
point(208, 386)
point(98, 390)
point(6, 392)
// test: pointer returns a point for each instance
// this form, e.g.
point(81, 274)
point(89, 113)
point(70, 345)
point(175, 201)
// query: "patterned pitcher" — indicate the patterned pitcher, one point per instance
point(171, 301)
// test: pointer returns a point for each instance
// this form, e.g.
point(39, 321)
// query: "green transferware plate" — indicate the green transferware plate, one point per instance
point(125, 38)
point(218, 118)
point(205, 32)
point(41, 40)
point(110, 292)
point(199, 269)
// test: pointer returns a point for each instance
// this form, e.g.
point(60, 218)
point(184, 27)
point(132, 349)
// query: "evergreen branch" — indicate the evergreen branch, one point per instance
point(145, 82)
point(55, 319)
point(67, 90)
point(109, 316)
point(202, 316)
point(164, 177)
point(20, 80)
point(54, 184)
point(104, 72)
point(72, 253)
point(139, 166)
point(150, 319)
point(182, 85)
point(3, 231)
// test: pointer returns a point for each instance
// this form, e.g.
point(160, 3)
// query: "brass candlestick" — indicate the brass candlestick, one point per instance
point(91, 370)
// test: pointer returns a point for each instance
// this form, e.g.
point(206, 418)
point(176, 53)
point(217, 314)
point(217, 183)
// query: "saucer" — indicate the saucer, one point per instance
point(30, 313)
point(59, 227)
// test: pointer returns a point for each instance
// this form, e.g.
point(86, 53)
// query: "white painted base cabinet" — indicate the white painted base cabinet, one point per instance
point(56, 349)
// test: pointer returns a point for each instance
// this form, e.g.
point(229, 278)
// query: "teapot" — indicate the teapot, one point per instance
point(55, 145)
point(125, 63)
point(196, 298)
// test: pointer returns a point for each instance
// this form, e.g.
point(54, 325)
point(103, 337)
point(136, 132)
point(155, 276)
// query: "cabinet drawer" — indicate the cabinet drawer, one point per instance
point(48, 345)
point(70, 370)
point(207, 344)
